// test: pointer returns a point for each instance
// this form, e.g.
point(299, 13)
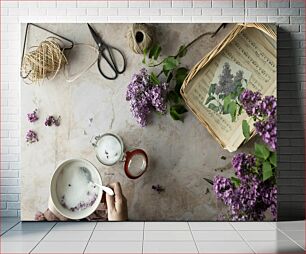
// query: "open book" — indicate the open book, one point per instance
point(246, 56)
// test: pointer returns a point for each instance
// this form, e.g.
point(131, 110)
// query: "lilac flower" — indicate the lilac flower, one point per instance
point(223, 187)
point(243, 163)
point(267, 106)
point(267, 131)
point(264, 112)
point(51, 120)
point(251, 197)
point(157, 97)
point(145, 97)
point(32, 117)
point(31, 136)
point(250, 101)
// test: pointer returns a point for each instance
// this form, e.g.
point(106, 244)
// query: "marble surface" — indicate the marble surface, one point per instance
point(180, 154)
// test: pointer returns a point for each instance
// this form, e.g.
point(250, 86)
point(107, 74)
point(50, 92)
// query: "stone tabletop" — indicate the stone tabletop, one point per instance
point(180, 154)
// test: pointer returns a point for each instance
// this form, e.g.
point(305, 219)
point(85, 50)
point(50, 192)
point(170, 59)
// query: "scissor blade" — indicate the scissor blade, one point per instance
point(95, 36)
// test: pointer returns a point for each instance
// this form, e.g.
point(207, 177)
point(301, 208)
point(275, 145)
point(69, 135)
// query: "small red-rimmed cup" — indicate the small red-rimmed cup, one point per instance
point(109, 149)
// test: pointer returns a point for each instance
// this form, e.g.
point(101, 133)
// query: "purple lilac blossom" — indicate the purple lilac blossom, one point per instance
point(33, 117)
point(267, 131)
point(243, 163)
point(268, 106)
point(264, 111)
point(145, 97)
point(31, 136)
point(51, 120)
point(250, 101)
point(249, 200)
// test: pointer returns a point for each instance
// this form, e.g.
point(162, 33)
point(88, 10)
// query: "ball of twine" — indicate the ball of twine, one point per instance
point(140, 37)
point(44, 61)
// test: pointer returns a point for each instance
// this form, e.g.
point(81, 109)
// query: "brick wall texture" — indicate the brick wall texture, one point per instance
point(289, 14)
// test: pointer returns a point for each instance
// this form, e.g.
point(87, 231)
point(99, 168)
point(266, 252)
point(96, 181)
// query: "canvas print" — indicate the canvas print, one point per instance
point(148, 122)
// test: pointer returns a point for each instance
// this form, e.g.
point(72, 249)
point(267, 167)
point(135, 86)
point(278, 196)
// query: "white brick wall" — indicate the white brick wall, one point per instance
point(288, 13)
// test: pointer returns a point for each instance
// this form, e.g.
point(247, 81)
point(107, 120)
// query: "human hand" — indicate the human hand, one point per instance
point(116, 205)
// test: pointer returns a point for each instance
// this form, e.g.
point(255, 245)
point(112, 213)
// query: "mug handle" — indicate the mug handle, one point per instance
point(128, 157)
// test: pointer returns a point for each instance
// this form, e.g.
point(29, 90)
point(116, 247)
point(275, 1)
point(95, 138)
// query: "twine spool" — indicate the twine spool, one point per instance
point(44, 61)
point(140, 37)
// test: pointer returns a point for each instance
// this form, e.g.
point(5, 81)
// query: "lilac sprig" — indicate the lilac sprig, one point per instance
point(33, 117)
point(145, 97)
point(243, 163)
point(31, 136)
point(267, 130)
point(249, 200)
point(51, 120)
point(264, 112)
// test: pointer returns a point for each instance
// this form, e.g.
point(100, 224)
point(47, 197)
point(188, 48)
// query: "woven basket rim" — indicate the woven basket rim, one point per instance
point(236, 30)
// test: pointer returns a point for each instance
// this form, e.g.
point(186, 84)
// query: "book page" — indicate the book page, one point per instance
point(251, 56)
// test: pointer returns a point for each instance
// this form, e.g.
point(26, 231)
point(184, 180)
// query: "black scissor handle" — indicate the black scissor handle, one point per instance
point(111, 61)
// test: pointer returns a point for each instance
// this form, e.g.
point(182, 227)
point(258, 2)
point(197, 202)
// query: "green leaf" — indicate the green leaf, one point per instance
point(208, 180)
point(235, 181)
point(170, 63)
point(180, 75)
point(266, 170)
point(273, 159)
point(179, 108)
point(212, 89)
point(154, 79)
point(232, 109)
point(246, 129)
point(157, 52)
point(213, 107)
point(170, 76)
point(154, 51)
point(209, 99)
point(176, 111)
point(240, 110)
point(175, 116)
point(226, 102)
point(172, 96)
point(145, 51)
point(182, 51)
point(166, 72)
point(261, 151)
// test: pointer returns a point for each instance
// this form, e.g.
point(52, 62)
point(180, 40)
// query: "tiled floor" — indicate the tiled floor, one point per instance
point(151, 237)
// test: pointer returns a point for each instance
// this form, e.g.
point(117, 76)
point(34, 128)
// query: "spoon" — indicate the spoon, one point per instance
point(108, 190)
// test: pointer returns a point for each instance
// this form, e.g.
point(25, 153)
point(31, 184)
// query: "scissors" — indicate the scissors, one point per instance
point(106, 52)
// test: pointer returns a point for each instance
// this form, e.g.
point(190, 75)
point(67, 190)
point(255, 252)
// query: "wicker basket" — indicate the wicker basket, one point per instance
point(238, 28)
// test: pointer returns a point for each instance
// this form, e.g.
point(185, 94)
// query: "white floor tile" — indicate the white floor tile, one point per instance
point(291, 225)
point(253, 226)
point(216, 236)
point(17, 247)
point(166, 226)
point(122, 225)
point(60, 247)
point(297, 235)
point(67, 236)
point(114, 247)
point(221, 226)
point(23, 236)
point(223, 247)
point(100, 236)
point(169, 247)
point(276, 247)
point(167, 236)
point(273, 235)
point(7, 225)
point(33, 226)
point(78, 226)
